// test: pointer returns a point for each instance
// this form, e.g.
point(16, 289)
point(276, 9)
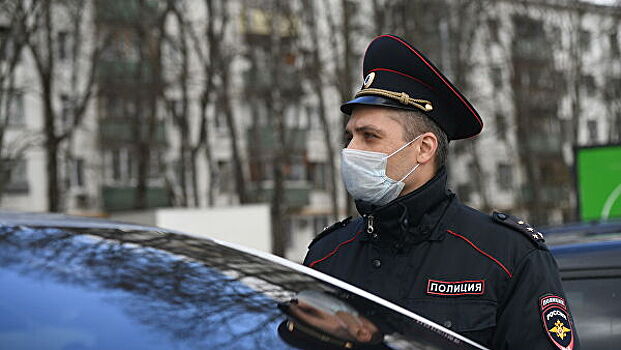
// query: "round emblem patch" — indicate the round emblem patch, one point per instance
point(558, 327)
point(368, 80)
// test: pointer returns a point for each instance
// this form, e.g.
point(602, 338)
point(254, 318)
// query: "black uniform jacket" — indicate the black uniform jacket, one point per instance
point(490, 278)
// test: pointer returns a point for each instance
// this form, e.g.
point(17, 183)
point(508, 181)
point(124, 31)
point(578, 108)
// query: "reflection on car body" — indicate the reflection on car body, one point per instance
point(327, 319)
point(80, 284)
point(589, 259)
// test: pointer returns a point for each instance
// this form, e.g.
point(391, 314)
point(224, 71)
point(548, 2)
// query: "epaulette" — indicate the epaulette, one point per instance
point(330, 229)
point(521, 226)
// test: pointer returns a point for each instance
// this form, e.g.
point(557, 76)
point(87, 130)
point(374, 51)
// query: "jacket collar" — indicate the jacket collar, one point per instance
point(409, 219)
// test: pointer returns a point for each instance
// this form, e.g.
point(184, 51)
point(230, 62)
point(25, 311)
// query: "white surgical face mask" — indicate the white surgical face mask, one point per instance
point(364, 175)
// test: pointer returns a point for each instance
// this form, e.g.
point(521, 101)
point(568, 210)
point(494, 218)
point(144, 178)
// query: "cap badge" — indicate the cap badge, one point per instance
point(368, 80)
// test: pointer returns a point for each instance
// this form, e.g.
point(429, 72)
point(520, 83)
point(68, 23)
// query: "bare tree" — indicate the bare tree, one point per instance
point(22, 22)
point(178, 107)
point(207, 50)
point(150, 31)
point(342, 46)
point(315, 75)
point(463, 25)
point(43, 45)
point(225, 101)
point(216, 58)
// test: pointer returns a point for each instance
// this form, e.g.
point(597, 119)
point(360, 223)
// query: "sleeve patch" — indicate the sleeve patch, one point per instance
point(557, 322)
point(521, 226)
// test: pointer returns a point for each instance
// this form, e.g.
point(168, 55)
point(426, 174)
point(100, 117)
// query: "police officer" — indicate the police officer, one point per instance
point(488, 277)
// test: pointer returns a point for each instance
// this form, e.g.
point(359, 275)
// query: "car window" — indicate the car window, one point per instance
point(596, 307)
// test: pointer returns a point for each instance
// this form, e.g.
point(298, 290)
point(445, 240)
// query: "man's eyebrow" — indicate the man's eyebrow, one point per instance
point(365, 128)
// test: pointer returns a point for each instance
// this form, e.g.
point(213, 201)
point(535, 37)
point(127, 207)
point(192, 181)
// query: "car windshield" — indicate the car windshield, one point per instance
point(107, 288)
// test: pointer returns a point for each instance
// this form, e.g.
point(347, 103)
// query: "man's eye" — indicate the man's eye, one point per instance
point(368, 135)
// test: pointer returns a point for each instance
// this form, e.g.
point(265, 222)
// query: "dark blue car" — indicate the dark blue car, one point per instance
point(589, 259)
point(74, 284)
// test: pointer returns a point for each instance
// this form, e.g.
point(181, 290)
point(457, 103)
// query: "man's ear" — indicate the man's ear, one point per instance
point(427, 148)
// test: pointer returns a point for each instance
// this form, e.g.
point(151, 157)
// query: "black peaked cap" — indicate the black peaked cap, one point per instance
point(397, 75)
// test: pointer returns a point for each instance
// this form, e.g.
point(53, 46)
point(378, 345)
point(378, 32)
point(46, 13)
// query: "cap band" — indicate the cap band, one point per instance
point(402, 97)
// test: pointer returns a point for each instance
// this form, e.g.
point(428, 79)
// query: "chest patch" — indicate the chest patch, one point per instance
point(557, 322)
point(454, 288)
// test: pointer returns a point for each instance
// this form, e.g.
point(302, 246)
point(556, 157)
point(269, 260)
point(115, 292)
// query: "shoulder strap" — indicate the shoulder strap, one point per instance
point(521, 226)
point(330, 229)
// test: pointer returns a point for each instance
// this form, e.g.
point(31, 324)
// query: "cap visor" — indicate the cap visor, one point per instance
point(371, 100)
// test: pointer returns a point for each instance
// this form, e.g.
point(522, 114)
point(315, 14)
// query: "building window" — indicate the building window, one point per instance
point(66, 112)
point(295, 170)
point(224, 176)
point(15, 177)
point(592, 130)
point(74, 170)
point(588, 84)
point(312, 114)
point(493, 29)
point(585, 40)
point(62, 45)
point(497, 77)
point(78, 172)
point(504, 176)
point(114, 106)
point(6, 47)
point(155, 164)
point(130, 168)
point(116, 165)
point(501, 125)
point(614, 45)
point(16, 109)
point(317, 175)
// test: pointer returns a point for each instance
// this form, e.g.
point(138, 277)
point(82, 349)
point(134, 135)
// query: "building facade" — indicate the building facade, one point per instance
point(199, 106)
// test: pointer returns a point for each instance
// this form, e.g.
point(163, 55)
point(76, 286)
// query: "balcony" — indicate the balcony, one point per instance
point(263, 139)
point(296, 195)
point(116, 198)
point(549, 195)
point(260, 82)
point(119, 131)
point(544, 145)
point(114, 71)
point(125, 11)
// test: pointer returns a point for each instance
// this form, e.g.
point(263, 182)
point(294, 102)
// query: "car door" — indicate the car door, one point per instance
point(591, 275)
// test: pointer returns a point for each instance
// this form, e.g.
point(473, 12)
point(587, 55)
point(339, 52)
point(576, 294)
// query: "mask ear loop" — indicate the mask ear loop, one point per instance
point(410, 173)
point(404, 146)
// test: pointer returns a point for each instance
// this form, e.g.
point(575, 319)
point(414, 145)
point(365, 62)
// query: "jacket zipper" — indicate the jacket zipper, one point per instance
point(370, 227)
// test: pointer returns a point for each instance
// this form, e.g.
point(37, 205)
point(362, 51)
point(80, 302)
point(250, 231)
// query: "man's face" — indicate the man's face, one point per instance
point(373, 129)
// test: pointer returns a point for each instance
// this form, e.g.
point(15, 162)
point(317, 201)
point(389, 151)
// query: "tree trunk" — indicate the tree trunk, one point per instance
point(231, 125)
point(346, 87)
point(318, 86)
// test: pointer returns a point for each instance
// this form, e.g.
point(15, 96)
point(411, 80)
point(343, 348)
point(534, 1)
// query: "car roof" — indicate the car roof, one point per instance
point(583, 246)
point(583, 232)
point(37, 235)
point(14, 218)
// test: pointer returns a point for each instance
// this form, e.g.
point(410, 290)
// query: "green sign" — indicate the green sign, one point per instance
point(598, 179)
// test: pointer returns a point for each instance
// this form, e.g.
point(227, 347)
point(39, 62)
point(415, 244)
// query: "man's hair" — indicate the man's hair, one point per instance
point(415, 123)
